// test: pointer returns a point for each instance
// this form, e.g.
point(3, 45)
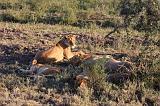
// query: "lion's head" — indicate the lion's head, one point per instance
point(69, 41)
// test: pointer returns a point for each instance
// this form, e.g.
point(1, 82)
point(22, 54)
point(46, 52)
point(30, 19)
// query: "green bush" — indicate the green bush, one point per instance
point(141, 15)
point(56, 11)
point(7, 17)
point(70, 16)
point(96, 72)
point(4, 6)
point(86, 4)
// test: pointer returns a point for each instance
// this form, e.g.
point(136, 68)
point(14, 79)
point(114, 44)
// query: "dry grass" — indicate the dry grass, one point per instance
point(20, 42)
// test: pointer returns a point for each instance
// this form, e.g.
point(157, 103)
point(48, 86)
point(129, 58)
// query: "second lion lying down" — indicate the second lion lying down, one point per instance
point(40, 69)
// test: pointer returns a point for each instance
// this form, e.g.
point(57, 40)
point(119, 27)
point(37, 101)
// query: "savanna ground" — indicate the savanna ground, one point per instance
point(32, 25)
point(20, 42)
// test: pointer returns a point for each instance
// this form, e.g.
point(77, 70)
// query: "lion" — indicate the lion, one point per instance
point(114, 66)
point(62, 50)
point(41, 69)
point(116, 70)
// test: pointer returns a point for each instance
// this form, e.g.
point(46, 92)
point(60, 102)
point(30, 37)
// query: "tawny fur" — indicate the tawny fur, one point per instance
point(114, 65)
point(60, 51)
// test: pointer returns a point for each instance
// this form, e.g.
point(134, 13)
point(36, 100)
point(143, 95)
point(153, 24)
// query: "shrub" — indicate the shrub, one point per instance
point(86, 4)
point(70, 16)
point(57, 11)
point(7, 17)
point(146, 12)
point(63, 12)
point(96, 72)
point(4, 6)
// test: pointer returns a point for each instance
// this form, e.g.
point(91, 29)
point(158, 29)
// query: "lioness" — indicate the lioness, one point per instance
point(60, 51)
point(41, 69)
point(115, 66)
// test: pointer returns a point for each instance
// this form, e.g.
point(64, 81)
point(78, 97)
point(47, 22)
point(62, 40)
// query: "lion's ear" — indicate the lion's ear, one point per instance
point(66, 36)
point(61, 36)
point(70, 35)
